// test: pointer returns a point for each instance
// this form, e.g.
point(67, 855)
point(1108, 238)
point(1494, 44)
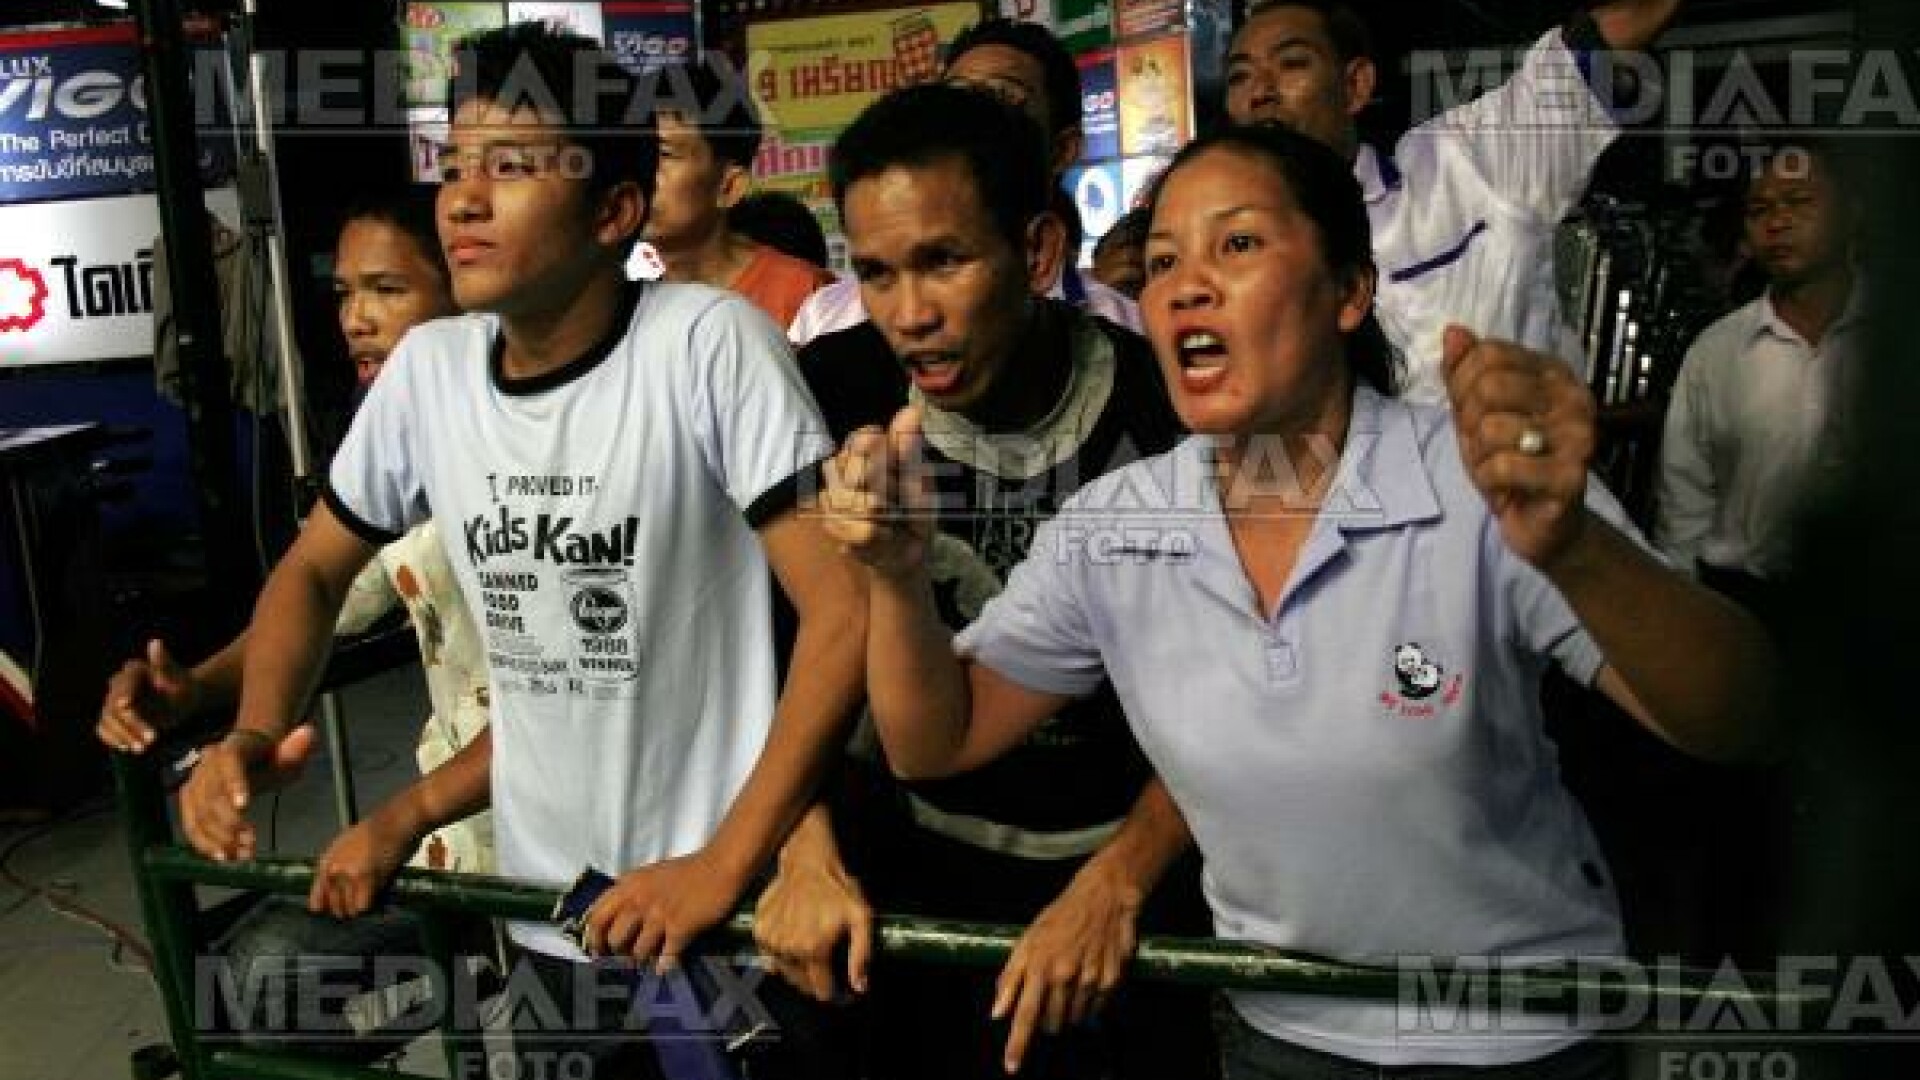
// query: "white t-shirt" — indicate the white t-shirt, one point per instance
point(1464, 213)
point(601, 522)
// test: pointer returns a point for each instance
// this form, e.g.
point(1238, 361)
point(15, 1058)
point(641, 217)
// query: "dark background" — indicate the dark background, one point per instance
point(319, 174)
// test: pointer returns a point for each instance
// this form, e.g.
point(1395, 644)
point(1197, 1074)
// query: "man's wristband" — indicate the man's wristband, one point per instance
point(251, 742)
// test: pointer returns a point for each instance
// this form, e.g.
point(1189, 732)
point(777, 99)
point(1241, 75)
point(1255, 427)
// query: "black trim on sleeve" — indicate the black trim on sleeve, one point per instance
point(787, 494)
point(357, 525)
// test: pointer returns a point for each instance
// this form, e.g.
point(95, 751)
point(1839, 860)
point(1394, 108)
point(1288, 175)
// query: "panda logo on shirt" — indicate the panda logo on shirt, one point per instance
point(1419, 677)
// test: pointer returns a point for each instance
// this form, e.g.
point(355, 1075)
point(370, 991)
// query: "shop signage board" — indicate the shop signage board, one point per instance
point(430, 31)
point(73, 117)
point(646, 37)
point(76, 278)
point(811, 77)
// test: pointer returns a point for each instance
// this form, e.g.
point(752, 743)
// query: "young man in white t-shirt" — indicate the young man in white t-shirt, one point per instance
point(614, 469)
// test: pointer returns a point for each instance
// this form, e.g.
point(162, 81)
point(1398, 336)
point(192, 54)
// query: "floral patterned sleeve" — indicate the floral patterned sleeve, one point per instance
point(369, 597)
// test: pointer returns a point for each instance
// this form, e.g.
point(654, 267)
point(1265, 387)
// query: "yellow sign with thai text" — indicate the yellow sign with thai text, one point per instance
point(812, 76)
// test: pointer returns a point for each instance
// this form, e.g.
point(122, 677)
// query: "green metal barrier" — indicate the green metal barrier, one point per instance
point(166, 873)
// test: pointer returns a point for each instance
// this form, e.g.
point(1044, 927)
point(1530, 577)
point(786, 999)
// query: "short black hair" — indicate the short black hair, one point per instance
point(1061, 74)
point(781, 222)
point(1004, 151)
point(712, 96)
point(409, 209)
point(1322, 185)
point(574, 82)
point(1351, 38)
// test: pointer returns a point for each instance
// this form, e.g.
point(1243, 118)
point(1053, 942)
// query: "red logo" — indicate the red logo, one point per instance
point(23, 296)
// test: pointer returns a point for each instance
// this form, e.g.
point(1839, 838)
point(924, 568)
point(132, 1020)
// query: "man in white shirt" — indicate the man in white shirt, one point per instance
point(615, 468)
point(1024, 65)
point(1463, 211)
point(1753, 424)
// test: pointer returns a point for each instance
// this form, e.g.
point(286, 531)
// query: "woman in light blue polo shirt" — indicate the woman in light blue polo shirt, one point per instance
point(1327, 614)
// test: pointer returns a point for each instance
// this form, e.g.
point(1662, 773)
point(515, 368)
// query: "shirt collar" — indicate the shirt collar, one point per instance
point(1382, 480)
point(573, 369)
point(1380, 483)
point(1377, 173)
point(1853, 312)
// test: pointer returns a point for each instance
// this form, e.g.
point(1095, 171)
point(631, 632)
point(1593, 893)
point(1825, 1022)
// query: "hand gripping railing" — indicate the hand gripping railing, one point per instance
point(165, 873)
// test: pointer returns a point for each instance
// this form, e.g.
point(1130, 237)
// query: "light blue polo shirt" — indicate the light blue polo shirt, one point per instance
point(1365, 771)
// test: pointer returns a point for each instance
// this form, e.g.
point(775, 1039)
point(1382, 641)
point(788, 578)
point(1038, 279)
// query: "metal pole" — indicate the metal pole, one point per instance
point(1601, 295)
point(263, 212)
point(1194, 961)
point(437, 938)
point(240, 1064)
point(333, 725)
point(269, 221)
point(196, 304)
point(166, 904)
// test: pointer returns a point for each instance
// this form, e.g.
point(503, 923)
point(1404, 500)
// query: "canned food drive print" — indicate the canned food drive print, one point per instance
point(600, 604)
